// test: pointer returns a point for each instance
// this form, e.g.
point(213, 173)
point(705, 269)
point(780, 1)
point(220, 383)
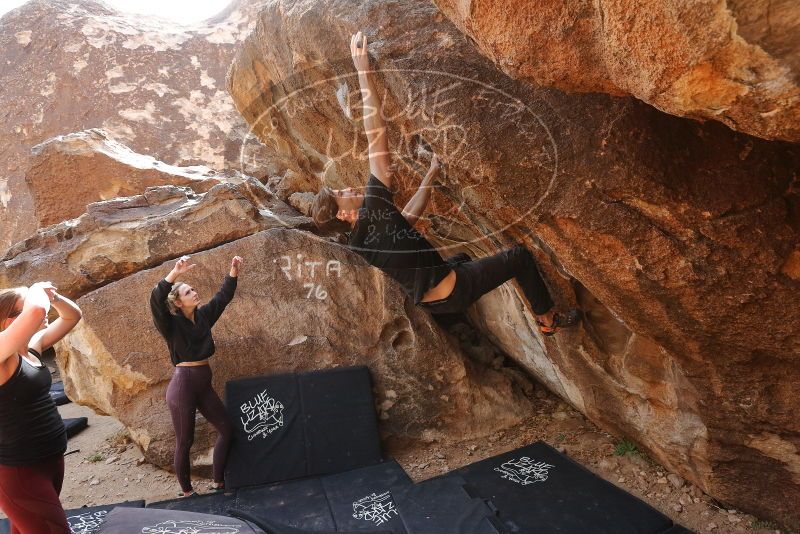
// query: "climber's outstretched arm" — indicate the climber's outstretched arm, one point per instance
point(374, 123)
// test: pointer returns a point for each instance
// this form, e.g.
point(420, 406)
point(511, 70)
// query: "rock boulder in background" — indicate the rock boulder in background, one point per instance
point(153, 85)
point(70, 171)
point(122, 236)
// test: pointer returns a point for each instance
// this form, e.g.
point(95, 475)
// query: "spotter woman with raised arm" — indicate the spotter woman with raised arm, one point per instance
point(186, 326)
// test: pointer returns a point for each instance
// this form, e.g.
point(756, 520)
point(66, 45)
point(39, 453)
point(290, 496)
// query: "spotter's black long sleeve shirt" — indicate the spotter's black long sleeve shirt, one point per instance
point(189, 341)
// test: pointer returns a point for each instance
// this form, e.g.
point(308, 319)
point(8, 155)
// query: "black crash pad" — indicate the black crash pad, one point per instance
point(340, 421)
point(353, 501)
point(84, 520)
point(75, 425)
point(268, 443)
point(158, 521)
point(211, 503)
point(361, 500)
point(297, 504)
point(537, 489)
point(58, 395)
point(444, 506)
point(298, 425)
point(88, 520)
point(271, 527)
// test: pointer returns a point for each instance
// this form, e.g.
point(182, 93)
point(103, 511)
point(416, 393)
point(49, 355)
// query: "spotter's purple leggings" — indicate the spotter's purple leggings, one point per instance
point(190, 390)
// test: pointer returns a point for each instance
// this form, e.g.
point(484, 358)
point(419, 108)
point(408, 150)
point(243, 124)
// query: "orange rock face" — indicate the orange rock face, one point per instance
point(735, 61)
point(70, 171)
point(121, 151)
point(678, 239)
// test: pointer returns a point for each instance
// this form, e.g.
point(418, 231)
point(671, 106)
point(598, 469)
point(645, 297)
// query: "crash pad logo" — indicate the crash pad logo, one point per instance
point(375, 508)
point(87, 523)
point(191, 527)
point(524, 471)
point(261, 416)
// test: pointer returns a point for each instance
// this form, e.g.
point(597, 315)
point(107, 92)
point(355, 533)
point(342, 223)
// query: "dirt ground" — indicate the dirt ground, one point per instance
point(103, 467)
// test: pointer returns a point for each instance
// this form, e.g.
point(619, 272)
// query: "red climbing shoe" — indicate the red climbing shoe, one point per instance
point(567, 319)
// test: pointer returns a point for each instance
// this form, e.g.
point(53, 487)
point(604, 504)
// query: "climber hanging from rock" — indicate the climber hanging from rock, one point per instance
point(385, 236)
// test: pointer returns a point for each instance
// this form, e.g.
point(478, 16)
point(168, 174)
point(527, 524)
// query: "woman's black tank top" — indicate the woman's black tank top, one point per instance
point(31, 428)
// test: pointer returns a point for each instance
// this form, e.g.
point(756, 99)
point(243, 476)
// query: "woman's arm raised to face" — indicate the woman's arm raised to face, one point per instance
point(27, 323)
point(69, 315)
point(182, 266)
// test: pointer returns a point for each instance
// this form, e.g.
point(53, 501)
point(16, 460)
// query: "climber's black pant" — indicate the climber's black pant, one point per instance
point(477, 277)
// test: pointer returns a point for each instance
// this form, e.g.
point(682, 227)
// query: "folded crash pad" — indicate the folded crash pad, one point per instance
point(57, 393)
point(340, 421)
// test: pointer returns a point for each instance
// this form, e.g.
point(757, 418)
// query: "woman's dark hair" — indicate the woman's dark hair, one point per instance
point(324, 210)
point(8, 301)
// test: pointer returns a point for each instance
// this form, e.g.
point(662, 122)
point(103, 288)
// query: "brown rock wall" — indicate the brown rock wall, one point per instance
point(70, 171)
point(122, 236)
point(675, 237)
point(737, 62)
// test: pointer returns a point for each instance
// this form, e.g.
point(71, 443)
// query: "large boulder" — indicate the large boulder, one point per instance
point(302, 303)
point(678, 239)
point(118, 237)
point(157, 87)
point(70, 171)
point(735, 61)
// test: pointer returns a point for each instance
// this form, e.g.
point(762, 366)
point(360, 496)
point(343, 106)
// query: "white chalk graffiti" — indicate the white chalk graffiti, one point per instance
point(86, 523)
point(191, 527)
point(262, 416)
point(375, 508)
point(306, 270)
point(524, 471)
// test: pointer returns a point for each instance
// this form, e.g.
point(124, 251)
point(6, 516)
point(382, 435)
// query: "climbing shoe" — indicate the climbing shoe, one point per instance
point(561, 320)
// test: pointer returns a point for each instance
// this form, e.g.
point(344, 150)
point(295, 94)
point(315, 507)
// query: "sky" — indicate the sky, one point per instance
point(182, 11)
